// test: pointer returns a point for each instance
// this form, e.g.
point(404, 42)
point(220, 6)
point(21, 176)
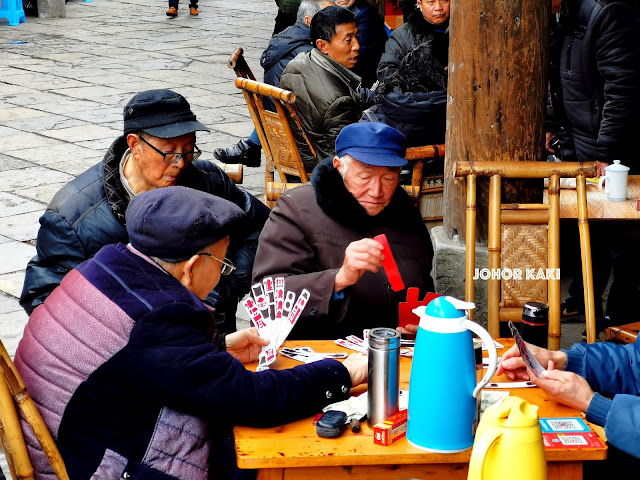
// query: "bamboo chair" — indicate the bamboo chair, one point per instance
point(274, 131)
point(526, 236)
point(13, 393)
point(415, 155)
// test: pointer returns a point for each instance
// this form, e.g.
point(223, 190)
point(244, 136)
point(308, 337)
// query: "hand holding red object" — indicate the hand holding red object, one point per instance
point(389, 264)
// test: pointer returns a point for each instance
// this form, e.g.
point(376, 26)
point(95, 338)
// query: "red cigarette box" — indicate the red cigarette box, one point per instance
point(393, 428)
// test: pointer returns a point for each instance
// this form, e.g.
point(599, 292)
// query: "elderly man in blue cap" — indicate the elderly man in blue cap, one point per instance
point(120, 353)
point(320, 236)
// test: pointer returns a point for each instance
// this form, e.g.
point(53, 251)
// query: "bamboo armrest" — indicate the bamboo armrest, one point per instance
point(275, 189)
point(265, 89)
point(421, 153)
point(234, 171)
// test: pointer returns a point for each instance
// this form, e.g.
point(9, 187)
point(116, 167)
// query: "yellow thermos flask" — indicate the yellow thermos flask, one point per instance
point(508, 443)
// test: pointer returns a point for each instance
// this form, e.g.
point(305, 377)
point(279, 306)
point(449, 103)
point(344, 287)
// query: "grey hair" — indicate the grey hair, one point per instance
point(345, 161)
point(308, 8)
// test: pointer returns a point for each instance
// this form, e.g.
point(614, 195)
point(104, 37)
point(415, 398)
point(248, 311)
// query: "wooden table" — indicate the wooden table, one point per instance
point(598, 207)
point(294, 451)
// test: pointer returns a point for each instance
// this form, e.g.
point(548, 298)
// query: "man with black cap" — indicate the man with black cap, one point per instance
point(319, 236)
point(158, 149)
point(121, 355)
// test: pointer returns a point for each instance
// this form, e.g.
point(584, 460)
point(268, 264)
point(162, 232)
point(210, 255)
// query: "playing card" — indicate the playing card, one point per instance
point(294, 314)
point(531, 361)
point(268, 353)
point(352, 346)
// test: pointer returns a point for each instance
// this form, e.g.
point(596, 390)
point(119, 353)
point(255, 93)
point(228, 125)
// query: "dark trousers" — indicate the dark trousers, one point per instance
point(614, 248)
point(174, 4)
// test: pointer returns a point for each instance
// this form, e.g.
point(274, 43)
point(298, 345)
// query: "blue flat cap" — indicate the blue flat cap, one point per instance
point(175, 223)
point(372, 143)
point(160, 113)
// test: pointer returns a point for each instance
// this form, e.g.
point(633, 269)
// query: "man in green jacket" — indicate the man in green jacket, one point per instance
point(328, 94)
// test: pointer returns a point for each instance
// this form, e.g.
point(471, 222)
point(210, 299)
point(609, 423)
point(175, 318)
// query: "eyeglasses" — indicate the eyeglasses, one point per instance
point(227, 265)
point(175, 157)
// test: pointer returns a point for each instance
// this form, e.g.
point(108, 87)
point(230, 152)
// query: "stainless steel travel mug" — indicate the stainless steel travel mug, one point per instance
point(384, 379)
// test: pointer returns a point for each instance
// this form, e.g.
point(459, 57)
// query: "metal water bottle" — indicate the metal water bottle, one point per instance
point(535, 323)
point(384, 379)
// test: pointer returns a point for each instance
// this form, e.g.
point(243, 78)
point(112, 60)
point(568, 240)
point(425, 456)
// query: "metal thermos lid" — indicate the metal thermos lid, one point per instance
point(535, 310)
point(384, 338)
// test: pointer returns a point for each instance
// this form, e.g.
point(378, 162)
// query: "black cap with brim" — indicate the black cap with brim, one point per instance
point(176, 129)
point(160, 113)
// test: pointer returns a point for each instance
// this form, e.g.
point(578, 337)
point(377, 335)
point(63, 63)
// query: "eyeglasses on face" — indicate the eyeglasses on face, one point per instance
point(175, 157)
point(227, 265)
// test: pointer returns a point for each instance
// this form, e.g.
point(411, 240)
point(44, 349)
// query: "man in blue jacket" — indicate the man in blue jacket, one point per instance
point(575, 377)
point(121, 353)
point(283, 47)
point(158, 149)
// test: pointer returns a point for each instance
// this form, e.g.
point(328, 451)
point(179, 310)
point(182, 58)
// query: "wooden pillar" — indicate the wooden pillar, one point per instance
point(498, 58)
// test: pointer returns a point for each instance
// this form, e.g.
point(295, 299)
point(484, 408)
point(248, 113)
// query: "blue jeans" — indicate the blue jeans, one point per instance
point(254, 139)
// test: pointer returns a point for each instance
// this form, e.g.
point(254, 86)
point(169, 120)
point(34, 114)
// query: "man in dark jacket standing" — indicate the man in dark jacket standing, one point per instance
point(595, 114)
point(320, 236)
point(158, 149)
point(283, 47)
point(372, 37)
point(327, 90)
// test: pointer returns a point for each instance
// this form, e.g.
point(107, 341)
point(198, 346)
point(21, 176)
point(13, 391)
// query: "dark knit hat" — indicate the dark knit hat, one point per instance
point(160, 113)
point(175, 223)
point(372, 143)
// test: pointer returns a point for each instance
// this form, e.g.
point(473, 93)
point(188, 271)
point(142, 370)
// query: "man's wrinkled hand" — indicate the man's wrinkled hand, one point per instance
point(358, 366)
point(514, 367)
point(360, 256)
point(245, 345)
point(565, 387)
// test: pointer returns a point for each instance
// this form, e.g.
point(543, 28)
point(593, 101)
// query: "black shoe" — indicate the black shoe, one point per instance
point(601, 324)
point(242, 152)
point(571, 307)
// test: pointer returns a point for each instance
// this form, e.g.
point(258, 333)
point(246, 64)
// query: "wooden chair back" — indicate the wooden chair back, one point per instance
point(276, 137)
point(14, 394)
point(415, 155)
point(526, 236)
point(239, 64)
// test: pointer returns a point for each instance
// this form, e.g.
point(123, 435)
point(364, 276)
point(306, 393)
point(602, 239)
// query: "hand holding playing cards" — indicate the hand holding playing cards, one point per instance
point(359, 257)
point(358, 366)
point(245, 345)
point(565, 387)
point(513, 365)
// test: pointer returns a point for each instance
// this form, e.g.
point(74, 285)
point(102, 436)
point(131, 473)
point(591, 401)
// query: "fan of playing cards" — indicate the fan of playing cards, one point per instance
point(274, 313)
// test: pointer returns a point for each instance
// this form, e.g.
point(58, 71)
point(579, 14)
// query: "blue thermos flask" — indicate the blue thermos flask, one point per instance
point(442, 389)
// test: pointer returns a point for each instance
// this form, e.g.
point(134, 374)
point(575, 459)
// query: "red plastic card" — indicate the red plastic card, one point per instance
point(405, 309)
point(389, 264)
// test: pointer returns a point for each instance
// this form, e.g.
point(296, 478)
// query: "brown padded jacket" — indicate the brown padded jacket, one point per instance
point(305, 238)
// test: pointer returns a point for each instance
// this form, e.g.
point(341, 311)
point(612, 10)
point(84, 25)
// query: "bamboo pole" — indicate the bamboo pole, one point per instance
point(553, 262)
point(535, 216)
point(585, 252)
point(31, 414)
point(523, 169)
point(493, 284)
point(470, 258)
point(12, 438)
